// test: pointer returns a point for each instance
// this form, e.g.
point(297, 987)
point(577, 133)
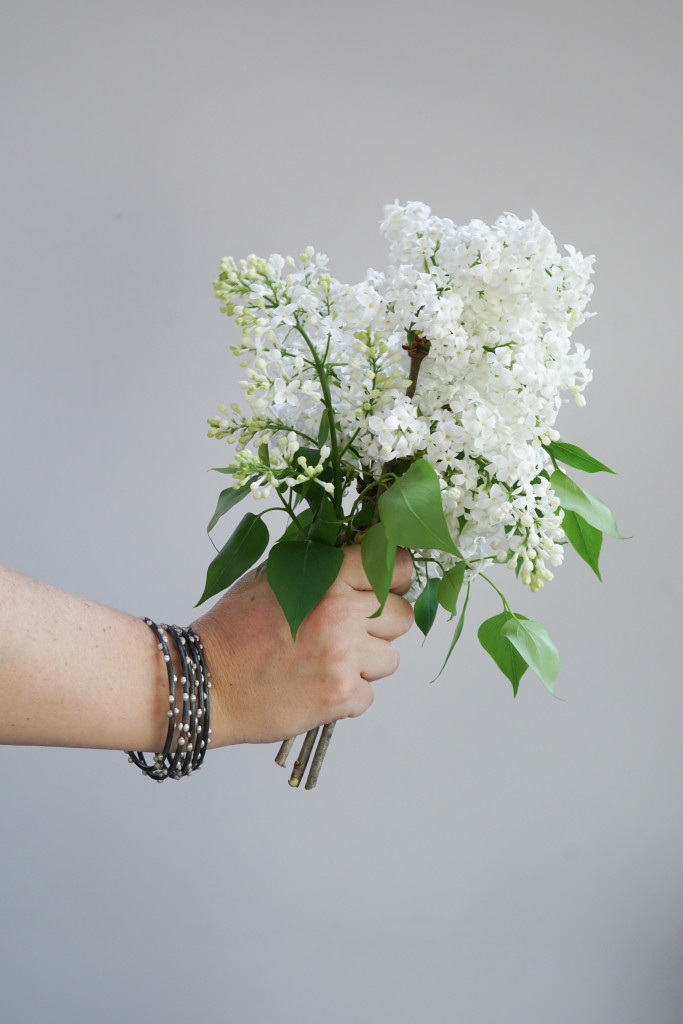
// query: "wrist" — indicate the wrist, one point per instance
point(219, 663)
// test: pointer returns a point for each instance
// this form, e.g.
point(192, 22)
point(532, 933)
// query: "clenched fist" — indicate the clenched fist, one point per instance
point(266, 687)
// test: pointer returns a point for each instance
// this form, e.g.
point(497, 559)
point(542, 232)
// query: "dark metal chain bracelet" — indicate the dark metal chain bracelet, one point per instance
point(189, 730)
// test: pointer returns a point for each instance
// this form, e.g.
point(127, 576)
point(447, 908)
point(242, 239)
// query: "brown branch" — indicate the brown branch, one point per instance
point(319, 756)
point(417, 348)
point(303, 758)
point(283, 752)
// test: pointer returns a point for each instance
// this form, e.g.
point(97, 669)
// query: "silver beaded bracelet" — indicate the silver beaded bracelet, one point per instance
point(188, 708)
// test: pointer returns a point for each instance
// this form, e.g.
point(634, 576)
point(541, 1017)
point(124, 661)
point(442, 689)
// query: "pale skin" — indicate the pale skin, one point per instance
point(78, 674)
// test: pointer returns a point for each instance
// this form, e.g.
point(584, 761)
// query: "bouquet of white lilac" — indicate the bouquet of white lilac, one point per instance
point(415, 409)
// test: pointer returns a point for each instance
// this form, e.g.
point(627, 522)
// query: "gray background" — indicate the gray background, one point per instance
point(466, 857)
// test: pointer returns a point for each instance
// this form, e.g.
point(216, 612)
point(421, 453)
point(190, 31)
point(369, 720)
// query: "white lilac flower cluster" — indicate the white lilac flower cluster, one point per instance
point(492, 308)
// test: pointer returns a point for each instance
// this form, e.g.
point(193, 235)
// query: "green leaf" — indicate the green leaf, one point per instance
point(246, 545)
point(378, 556)
point(223, 469)
point(533, 642)
point(310, 490)
point(227, 499)
point(310, 455)
point(427, 605)
point(364, 517)
point(412, 512)
point(323, 429)
point(301, 573)
point(456, 633)
point(325, 526)
point(504, 653)
point(450, 585)
point(584, 538)
point(292, 532)
point(589, 506)
point(312, 494)
point(264, 453)
point(576, 457)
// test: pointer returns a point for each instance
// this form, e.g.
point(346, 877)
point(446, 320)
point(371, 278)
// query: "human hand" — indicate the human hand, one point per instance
point(266, 687)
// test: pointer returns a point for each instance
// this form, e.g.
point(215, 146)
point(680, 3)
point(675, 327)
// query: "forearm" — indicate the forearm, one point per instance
point(75, 673)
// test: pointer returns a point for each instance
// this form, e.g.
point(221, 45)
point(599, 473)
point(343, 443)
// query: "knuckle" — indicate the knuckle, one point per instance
point(404, 560)
point(340, 693)
point(334, 651)
point(407, 613)
point(400, 616)
point(403, 566)
point(364, 701)
point(333, 614)
point(390, 661)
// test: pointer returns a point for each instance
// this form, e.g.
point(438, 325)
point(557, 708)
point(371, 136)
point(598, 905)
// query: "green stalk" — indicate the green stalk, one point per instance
point(348, 445)
point(292, 514)
point(367, 493)
point(418, 349)
point(500, 593)
point(327, 401)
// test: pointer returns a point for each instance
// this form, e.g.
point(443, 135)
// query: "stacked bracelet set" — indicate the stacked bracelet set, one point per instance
point(189, 733)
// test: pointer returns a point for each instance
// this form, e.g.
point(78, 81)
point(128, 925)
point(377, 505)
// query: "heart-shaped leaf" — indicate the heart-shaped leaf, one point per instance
point(378, 555)
point(456, 633)
point(576, 457)
point(301, 573)
point(227, 499)
point(450, 586)
point(502, 650)
point(589, 506)
point(427, 605)
point(412, 512)
point(584, 538)
point(246, 545)
point(533, 642)
point(325, 525)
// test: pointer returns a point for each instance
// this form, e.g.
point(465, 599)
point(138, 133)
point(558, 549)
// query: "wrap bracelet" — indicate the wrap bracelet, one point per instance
point(189, 722)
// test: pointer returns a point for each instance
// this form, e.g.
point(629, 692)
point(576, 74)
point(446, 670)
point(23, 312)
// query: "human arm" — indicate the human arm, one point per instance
point(76, 673)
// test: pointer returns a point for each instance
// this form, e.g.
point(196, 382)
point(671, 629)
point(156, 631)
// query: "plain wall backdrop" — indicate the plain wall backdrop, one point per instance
point(466, 857)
